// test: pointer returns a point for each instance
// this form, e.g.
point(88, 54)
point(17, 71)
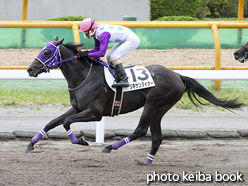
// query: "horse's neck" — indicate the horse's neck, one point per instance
point(74, 71)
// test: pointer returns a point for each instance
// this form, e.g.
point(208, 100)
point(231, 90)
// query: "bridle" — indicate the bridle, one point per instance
point(55, 60)
point(245, 52)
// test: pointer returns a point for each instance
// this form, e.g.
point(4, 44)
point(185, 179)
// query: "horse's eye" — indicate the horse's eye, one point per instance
point(46, 54)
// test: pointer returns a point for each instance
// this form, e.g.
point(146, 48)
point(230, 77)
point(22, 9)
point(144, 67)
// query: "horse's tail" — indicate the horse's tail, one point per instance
point(192, 87)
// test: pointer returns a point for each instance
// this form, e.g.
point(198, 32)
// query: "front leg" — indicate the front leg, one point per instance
point(52, 124)
point(84, 116)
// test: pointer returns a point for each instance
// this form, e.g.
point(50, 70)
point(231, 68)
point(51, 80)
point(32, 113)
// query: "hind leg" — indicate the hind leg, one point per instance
point(157, 139)
point(140, 131)
point(150, 118)
point(158, 102)
point(155, 127)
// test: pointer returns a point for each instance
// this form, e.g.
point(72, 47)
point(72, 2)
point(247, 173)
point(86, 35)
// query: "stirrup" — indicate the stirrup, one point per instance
point(120, 84)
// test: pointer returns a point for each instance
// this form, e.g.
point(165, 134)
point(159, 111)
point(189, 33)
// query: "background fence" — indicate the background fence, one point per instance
point(159, 36)
point(151, 38)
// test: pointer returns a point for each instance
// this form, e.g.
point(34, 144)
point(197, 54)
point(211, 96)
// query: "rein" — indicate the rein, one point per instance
point(97, 74)
point(56, 60)
point(72, 89)
point(91, 69)
point(105, 65)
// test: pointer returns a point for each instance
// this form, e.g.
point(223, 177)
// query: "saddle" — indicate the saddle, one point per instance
point(111, 66)
point(138, 78)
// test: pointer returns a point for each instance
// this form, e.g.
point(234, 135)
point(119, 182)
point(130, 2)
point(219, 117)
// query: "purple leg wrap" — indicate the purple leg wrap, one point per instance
point(38, 136)
point(73, 138)
point(121, 143)
point(149, 159)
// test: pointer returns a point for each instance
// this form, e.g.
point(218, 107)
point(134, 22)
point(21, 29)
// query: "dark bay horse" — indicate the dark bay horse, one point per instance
point(242, 54)
point(91, 99)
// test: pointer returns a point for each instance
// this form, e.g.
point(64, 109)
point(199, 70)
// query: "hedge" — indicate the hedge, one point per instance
point(68, 18)
point(161, 8)
point(177, 18)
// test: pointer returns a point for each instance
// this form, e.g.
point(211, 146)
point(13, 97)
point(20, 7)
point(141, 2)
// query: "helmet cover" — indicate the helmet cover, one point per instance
point(88, 24)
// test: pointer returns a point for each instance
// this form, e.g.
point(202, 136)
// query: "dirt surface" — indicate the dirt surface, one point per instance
point(140, 57)
point(61, 163)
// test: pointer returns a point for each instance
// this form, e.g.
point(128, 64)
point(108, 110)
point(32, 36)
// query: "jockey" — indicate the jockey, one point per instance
point(126, 41)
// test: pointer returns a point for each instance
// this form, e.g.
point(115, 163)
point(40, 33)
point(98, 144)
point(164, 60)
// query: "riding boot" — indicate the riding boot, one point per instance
point(111, 65)
point(121, 80)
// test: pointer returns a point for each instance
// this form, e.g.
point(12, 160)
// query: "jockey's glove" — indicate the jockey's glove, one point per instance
point(83, 54)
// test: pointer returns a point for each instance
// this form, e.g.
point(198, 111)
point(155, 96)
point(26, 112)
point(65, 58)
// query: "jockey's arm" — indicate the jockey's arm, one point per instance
point(102, 44)
point(96, 47)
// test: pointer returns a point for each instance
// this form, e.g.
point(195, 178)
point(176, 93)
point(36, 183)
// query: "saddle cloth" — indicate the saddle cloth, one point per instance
point(138, 78)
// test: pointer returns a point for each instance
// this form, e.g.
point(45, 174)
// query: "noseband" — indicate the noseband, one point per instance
point(244, 51)
point(55, 58)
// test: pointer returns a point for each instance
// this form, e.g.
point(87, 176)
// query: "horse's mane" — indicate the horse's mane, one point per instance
point(74, 48)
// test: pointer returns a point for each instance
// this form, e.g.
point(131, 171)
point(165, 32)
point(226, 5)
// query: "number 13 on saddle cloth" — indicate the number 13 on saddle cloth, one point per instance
point(138, 78)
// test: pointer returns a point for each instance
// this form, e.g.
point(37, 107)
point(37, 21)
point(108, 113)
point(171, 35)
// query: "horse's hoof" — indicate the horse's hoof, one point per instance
point(105, 150)
point(82, 141)
point(140, 162)
point(30, 147)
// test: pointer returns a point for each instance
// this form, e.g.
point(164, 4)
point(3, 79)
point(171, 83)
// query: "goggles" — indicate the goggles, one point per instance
point(89, 31)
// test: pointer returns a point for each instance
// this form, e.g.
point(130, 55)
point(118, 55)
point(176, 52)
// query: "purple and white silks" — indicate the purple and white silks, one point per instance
point(72, 137)
point(101, 46)
point(38, 136)
point(118, 144)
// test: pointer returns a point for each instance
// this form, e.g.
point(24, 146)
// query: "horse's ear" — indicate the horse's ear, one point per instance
point(59, 42)
point(56, 39)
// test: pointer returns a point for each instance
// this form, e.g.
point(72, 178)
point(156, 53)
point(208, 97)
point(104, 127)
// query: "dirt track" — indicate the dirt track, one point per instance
point(141, 57)
point(61, 163)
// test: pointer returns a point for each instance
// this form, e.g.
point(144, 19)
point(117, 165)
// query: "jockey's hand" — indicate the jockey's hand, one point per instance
point(83, 54)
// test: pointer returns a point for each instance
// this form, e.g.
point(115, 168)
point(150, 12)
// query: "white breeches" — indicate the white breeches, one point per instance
point(121, 49)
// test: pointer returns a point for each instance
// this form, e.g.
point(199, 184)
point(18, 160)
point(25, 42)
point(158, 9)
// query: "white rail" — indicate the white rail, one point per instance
point(196, 74)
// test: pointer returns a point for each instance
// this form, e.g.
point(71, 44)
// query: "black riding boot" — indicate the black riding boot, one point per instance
point(121, 80)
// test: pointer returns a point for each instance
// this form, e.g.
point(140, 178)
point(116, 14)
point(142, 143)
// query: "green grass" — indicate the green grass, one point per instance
point(61, 97)
point(33, 97)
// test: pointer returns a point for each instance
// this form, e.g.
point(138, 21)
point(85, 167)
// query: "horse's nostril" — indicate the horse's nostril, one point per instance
point(29, 70)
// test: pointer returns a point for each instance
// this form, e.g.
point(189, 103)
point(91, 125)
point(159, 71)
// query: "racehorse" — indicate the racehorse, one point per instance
point(242, 54)
point(91, 98)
